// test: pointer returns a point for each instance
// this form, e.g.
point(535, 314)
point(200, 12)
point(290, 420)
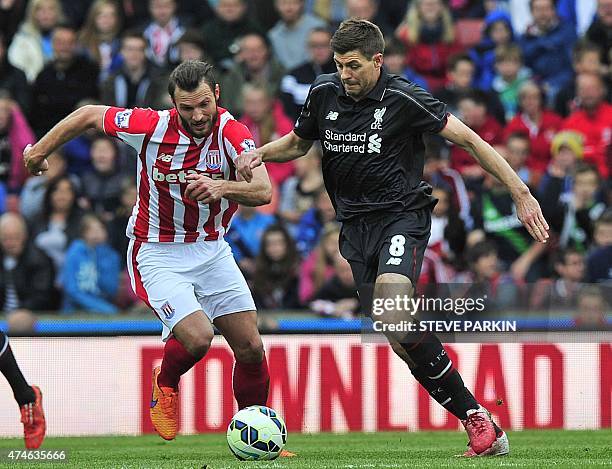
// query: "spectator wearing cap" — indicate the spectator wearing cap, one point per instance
point(536, 121)
point(593, 119)
point(566, 150)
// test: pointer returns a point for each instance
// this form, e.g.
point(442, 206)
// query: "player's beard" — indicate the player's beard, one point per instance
point(203, 132)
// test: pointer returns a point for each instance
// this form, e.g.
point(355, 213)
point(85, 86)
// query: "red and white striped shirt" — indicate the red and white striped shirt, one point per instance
point(166, 155)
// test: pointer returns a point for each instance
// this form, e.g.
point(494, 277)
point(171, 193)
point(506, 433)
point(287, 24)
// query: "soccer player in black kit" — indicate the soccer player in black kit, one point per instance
point(371, 127)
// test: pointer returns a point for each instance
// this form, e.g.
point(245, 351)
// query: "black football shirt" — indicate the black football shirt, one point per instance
point(373, 151)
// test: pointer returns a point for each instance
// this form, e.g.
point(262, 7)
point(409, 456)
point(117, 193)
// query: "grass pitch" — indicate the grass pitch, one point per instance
point(537, 449)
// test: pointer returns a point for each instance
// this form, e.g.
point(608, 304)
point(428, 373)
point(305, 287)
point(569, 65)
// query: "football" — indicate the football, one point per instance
point(256, 433)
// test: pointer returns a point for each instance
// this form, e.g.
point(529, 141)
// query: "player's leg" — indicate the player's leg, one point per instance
point(400, 262)
point(251, 377)
point(160, 277)
point(29, 398)
point(229, 304)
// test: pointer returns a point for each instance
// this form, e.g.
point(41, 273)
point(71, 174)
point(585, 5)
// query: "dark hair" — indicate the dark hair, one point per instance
point(584, 167)
point(477, 96)
point(133, 34)
point(394, 47)
point(560, 256)
point(479, 250)
point(51, 188)
point(360, 35)
point(605, 218)
point(275, 273)
point(584, 46)
point(65, 25)
point(188, 76)
point(86, 221)
point(554, 4)
point(518, 135)
point(456, 58)
point(192, 36)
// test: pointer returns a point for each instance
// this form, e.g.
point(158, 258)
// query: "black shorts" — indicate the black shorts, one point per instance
point(385, 243)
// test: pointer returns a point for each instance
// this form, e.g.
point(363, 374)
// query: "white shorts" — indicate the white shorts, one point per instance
point(177, 279)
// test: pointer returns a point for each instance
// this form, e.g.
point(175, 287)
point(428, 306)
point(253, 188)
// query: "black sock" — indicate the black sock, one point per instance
point(436, 374)
point(22, 391)
point(435, 391)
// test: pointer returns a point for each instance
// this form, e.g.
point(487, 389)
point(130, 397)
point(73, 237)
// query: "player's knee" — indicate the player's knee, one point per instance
point(391, 278)
point(198, 345)
point(250, 351)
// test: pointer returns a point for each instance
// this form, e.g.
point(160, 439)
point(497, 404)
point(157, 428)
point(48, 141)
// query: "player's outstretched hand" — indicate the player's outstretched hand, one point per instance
point(204, 189)
point(246, 162)
point(36, 164)
point(530, 215)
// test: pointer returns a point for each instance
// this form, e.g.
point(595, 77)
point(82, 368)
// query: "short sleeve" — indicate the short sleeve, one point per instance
point(425, 114)
point(237, 138)
point(307, 126)
point(130, 125)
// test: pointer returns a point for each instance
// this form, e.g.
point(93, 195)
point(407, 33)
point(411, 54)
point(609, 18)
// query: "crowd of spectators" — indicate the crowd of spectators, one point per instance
point(532, 77)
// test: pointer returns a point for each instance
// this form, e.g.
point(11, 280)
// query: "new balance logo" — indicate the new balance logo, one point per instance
point(394, 261)
point(165, 158)
point(332, 116)
point(374, 143)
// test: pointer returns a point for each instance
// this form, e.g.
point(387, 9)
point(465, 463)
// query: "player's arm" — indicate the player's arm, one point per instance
point(73, 125)
point(207, 190)
point(287, 148)
point(528, 209)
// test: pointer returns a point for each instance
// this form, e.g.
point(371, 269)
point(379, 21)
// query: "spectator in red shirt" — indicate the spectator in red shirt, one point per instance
point(429, 35)
point(472, 109)
point(537, 122)
point(593, 120)
point(267, 121)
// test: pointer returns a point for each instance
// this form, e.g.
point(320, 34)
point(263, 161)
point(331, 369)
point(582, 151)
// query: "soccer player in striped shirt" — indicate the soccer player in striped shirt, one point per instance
point(178, 260)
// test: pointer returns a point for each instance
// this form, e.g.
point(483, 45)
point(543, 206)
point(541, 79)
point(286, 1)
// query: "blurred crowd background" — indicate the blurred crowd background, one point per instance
point(531, 77)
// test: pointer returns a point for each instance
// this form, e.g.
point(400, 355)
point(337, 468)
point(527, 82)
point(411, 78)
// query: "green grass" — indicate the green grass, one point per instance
point(536, 449)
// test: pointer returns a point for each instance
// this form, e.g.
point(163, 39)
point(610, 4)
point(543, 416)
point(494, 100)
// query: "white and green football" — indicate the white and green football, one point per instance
point(256, 433)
